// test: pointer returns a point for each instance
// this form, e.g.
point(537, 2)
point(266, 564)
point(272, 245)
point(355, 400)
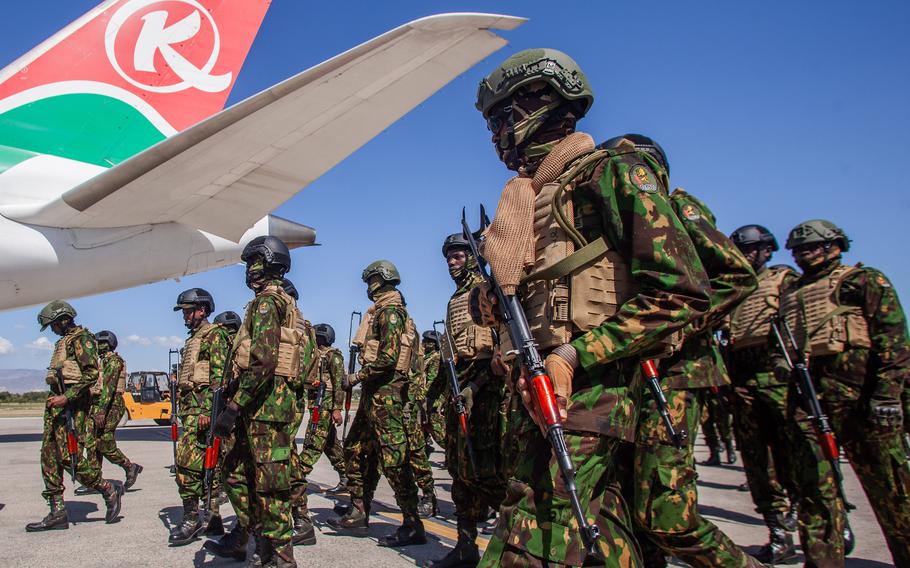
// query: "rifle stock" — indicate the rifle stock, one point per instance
point(320, 397)
point(212, 453)
point(457, 399)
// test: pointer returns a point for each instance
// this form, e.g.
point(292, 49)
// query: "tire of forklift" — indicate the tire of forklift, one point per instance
point(163, 421)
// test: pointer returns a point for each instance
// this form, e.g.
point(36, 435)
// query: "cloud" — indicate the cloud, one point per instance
point(5, 346)
point(156, 341)
point(42, 343)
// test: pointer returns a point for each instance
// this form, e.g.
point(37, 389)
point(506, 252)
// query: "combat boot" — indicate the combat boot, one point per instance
point(215, 527)
point(410, 532)
point(849, 539)
point(132, 474)
point(188, 530)
point(83, 490)
point(465, 554)
point(262, 555)
point(341, 487)
point(780, 544)
point(427, 506)
point(731, 452)
point(791, 520)
point(112, 492)
point(56, 520)
point(356, 518)
point(303, 528)
point(233, 545)
point(714, 457)
point(282, 556)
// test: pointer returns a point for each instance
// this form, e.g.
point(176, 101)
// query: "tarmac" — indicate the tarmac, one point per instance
point(152, 507)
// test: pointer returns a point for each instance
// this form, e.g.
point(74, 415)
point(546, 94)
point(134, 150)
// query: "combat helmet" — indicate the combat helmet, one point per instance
point(229, 320)
point(326, 332)
point(753, 234)
point(53, 311)
point(541, 64)
point(290, 289)
point(108, 338)
point(455, 241)
point(642, 143)
point(432, 336)
point(272, 250)
point(817, 231)
point(195, 297)
point(384, 269)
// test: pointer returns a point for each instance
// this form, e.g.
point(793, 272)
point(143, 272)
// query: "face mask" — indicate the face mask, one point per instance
point(255, 275)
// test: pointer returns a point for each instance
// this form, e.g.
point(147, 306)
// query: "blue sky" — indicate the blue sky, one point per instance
point(771, 112)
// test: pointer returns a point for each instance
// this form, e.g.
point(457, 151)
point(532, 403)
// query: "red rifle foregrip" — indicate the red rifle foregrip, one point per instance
point(347, 402)
point(210, 458)
point(829, 446)
point(174, 432)
point(546, 398)
point(649, 369)
point(72, 445)
point(315, 414)
point(464, 424)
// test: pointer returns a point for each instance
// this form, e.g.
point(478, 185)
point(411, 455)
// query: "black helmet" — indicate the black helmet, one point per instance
point(273, 251)
point(290, 289)
point(753, 234)
point(229, 319)
point(455, 241)
point(195, 297)
point(326, 332)
point(107, 337)
point(642, 143)
point(431, 335)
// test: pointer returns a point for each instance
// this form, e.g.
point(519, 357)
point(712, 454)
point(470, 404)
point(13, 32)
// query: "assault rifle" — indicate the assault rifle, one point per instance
point(72, 444)
point(320, 396)
point(352, 362)
point(649, 370)
point(172, 389)
point(813, 406)
point(457, 399)
point(541, 385)
point(212, 453)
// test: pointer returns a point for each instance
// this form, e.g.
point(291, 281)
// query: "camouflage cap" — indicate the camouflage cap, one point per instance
point(54, 310)
point(817, 231)
point(541, 64)
point(384, 269)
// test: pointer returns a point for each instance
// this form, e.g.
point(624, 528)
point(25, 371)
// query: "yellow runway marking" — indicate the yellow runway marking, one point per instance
point(439, 529)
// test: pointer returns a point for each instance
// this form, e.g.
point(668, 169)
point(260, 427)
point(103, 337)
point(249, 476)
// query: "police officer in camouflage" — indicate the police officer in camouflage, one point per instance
point(108, 406)
point(760, 398)
point(605, 272)
point(202, 367)
point(387, 338)
point(75, 361)
point(437, 391)
point(474, 492)
point(849, 322)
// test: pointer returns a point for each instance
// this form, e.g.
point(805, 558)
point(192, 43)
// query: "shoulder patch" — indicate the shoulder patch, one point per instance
point(691, 212)
point(393, 318)
point(642, 178)
point(882, 281)
point(263, 308)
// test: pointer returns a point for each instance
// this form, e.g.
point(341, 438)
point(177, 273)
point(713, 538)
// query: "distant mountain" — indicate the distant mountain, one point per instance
point(22, 380)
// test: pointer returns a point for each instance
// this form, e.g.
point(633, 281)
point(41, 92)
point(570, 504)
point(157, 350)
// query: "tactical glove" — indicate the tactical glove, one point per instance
point(224, 424)
point(467, 395)
point(885, 414)
point(99, 421)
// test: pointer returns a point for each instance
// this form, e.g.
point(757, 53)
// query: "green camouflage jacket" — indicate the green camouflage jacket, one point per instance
point(334, 371)
point(81, 347)
point(111, 364)
point(379, 376)
point(214, 349)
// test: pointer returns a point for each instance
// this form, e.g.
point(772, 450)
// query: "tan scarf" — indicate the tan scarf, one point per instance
point(392, 298)
point(509, 240)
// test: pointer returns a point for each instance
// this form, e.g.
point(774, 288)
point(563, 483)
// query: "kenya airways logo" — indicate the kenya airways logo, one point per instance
point(159, 57)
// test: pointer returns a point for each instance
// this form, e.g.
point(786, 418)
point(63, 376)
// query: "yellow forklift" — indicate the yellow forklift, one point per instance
point(147, 397)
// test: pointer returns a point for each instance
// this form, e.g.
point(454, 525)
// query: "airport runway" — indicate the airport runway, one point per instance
point(151, 507)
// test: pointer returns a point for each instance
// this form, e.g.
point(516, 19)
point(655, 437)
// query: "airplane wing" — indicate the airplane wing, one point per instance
point(228, 171)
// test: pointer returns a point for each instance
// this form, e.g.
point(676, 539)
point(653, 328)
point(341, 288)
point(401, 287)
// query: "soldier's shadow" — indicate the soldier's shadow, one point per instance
point(78, 511)
point(170, 517)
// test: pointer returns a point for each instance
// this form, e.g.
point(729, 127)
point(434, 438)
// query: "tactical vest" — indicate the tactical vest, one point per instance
point(121, 379)
point(289, 343)
point(320, 357)
point(308, 347)
point(471, 341)
point(69, 368)
point(569, 291)
point(408, 338)
point(750, 322)
point(193, 371)
point(820, 325)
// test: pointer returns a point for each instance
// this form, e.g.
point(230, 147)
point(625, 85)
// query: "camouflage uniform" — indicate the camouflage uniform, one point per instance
point(78, 345)
point(853, 382)
point(258, 466)
point(437, 397)
point(717, 422)
point(617, 197)
point(417, 439)
point(665, 495)
point(323, 437)
point(361, 457)
point(109, 402)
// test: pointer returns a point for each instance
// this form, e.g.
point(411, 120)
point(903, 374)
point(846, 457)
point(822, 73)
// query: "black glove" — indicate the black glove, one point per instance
point(884, 414)
point(224, 424)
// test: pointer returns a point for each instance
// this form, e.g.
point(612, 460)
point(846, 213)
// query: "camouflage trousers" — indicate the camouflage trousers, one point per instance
point(55, 457)
point(361, 457)
point(105, 438)
point(436, 425)
point(664, 491)
point(718, 421)
point(295, 464)
point(536, 527)
point(386, 422)
point(191, 458)
point(322, 438)
point(417, 455)
point(258, 478)
point(760, 420)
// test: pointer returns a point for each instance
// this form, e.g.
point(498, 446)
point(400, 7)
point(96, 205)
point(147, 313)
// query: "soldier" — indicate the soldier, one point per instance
point(108, 406)
point(665, 494)
point(849, 322)
point(418, 458)
point(634, 280)
point(437, 386)
point(230, 321)
point(760, 397)
point(717, 426)
point(202, 365)
point(387, 338)
point(75, 361)
point(474, 492)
